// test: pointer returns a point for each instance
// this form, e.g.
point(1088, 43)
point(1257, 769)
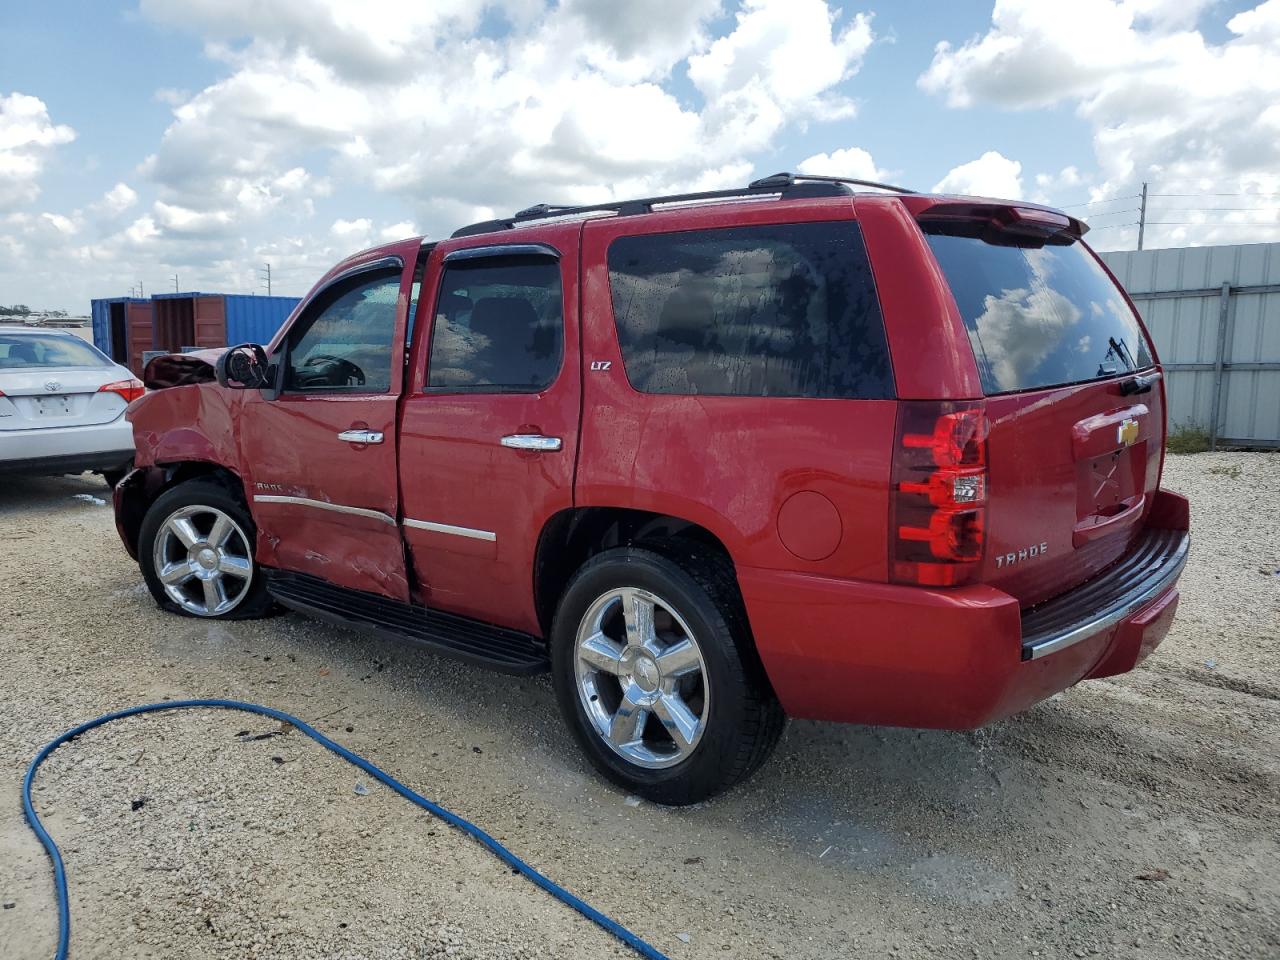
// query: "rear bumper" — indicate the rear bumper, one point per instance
point(953, 658)
point(99, 446)
point(1147, 572)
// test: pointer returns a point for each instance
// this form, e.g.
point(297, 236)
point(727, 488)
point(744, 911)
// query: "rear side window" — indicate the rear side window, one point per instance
point(499, 326)
point(1038, 315)
point(786, 310)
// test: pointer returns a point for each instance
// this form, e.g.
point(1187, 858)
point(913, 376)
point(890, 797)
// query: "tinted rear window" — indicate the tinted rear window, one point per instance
point(784, 310)
point(1038, 316)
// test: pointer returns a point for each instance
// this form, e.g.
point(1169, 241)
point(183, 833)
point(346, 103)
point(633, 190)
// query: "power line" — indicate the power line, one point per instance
point(1234, 209)
point(1094, 203)
point(1112, 213)
point(1211, 223)
point(1270, 193)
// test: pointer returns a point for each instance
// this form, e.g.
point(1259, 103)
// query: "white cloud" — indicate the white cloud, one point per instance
point(991, 175)
point(119, 198)
point(373, 40)
point(850, 162)
point(292, 180)
point(1169, 14)
point(792, 50)
point(64, 225)
point(1163, 103)
point(398, 231)
point(1036, 54)
point(141, 231)
point(27, 137)
point(1066, 177)
point(572, 105)
point(351, 228)
point(322, 104)
point(183, 220)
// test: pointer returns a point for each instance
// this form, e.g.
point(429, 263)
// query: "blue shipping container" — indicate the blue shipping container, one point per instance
point(100, 313)
point(253, 319)
point(191, 319)
point(112, 338)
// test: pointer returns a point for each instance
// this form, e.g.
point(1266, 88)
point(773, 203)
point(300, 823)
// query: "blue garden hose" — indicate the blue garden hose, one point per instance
point(497, 849)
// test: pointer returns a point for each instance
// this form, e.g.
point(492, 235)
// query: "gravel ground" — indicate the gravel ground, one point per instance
point(1133, 817)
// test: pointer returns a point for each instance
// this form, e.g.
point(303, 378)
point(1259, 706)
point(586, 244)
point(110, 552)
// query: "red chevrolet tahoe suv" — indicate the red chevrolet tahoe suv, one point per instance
point(802, 449)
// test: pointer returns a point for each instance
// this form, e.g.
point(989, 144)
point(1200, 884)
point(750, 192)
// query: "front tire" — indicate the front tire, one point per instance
point(652, 671)
point(195, 549)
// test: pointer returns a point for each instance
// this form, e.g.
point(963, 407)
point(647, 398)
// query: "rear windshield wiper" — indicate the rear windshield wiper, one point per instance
point(1121, 349)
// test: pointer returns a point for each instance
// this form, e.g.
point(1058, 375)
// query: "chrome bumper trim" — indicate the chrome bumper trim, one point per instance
point(1127, 604)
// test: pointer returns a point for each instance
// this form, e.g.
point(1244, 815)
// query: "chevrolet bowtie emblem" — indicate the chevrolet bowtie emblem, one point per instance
point(1127, 433)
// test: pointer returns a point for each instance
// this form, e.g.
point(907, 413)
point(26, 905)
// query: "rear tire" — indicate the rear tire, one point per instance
point(654, 674)
point(195, 549)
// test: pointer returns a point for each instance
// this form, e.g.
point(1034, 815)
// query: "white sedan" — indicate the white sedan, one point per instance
point(62, 406)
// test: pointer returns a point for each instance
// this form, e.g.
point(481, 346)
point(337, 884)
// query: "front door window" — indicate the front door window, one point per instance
point(347, 345)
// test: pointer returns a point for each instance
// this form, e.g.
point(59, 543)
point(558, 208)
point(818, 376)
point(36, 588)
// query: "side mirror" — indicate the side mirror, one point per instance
point(244, 367)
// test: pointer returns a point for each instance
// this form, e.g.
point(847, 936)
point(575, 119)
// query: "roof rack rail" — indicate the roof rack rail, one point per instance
point(542, 210)
point(790, 186)
point(774, 181)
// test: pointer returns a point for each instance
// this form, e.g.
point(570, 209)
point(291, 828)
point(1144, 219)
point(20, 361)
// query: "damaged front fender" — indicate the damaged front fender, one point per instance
point(190, 422)
point(184, 426)
point(130, 500)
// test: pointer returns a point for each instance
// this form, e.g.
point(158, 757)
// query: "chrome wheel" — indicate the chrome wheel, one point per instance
point(204, 561)
point(641, 678)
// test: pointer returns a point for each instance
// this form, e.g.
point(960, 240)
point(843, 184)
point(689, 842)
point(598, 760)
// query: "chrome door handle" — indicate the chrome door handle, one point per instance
point(361, 436)
point(531, 441)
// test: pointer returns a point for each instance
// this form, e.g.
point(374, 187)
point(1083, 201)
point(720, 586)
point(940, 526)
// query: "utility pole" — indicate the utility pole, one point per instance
point(1142, 215)
point(141, 295)
point(175, 283)
point(266, 279)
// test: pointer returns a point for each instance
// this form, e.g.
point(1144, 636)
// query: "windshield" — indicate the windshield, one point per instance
point(27, 351)
point(1038, 315)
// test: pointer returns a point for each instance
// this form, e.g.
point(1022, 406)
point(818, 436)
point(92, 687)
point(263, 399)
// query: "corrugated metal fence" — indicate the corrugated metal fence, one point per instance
point(1214, 313)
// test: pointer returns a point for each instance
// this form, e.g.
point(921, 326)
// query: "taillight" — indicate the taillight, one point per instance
point(130, 390)
point(938, 498)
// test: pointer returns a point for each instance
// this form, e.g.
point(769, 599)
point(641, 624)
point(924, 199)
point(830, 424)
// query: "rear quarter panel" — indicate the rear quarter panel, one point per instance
point(729, 464)
point(932, 359)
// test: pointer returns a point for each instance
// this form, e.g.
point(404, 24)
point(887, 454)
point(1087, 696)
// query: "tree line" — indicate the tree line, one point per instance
point(22, 310)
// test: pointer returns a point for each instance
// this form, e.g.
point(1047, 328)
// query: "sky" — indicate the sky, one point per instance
point(206, 138)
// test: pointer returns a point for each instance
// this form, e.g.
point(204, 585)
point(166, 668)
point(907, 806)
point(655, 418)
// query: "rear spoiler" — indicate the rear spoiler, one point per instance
point(1021, 219)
